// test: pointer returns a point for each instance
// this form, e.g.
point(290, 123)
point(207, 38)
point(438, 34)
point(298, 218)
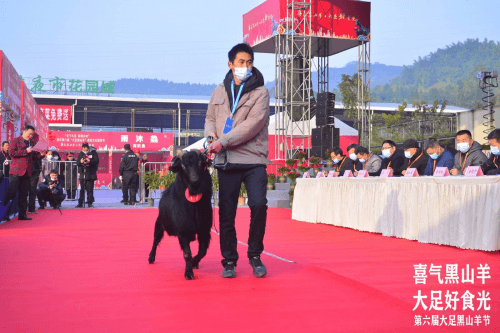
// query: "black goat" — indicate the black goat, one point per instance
point(186, 209)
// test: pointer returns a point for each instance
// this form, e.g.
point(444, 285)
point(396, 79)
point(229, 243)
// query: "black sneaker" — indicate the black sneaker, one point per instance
point(79, 206)
point(131, 203)
point(123, 201)
point(259, 270)
point(90, 206)
point(126, 203)
point(229, 270)
point(32, 212)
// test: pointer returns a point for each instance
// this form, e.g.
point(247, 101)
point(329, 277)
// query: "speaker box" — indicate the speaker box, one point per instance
point(325, 96)
point(319, 151)
point(325, 104)
point(327, 136)
point(325, 117)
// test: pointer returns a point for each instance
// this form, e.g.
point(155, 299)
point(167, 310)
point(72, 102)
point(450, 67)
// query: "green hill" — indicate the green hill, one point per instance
point(447, 74)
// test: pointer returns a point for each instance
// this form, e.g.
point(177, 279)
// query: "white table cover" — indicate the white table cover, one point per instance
point(458, 211)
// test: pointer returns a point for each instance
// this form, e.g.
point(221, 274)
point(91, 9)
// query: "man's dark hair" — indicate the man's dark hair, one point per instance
point(54, 171)
point(352, 145)
point(462, 132)
point(243, 47)
point(361, 150)
point(390, 142)
point(495, 134)
point(3, 143)
point(432, 143)
point(337, 151)
point(29, 127)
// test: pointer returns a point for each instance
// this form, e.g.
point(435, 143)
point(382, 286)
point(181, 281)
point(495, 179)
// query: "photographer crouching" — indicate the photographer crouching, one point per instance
point(50, 190)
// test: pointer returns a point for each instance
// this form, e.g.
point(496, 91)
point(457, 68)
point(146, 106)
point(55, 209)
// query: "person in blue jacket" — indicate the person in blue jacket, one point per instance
point(439, 155)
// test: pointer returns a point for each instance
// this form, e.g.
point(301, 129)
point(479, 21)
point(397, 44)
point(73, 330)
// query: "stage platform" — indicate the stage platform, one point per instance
point(87, 271)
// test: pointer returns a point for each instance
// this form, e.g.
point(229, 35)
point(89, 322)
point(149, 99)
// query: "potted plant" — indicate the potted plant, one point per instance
point(300, 157)
point(153, 179)
point(290, 193)
point(292, 175)
point(271, 180)
point(243, 195)
point(328, 158)
point(314, 162)
point(215, 187)
point(290, 163)
point(282, 171)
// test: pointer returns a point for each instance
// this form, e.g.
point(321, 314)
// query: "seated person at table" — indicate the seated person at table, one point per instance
point(492, 165)
point(439, 155)
point(351, 152)
point(414, 157)
point(51, 190)
point(342, 163)
point(392, 159)
point(469, 153)
point(371, 162)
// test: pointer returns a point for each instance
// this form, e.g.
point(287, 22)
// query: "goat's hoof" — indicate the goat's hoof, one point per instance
point(151, 260)
point(189, 275)
point(196, 265)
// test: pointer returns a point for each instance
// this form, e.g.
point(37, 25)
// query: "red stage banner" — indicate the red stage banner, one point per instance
point(10, 86)
point(139, 141)
point(28, 107)
point(57, 114)
point(331, 19)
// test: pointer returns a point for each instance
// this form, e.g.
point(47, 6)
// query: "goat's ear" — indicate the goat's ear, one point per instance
point(176, 165)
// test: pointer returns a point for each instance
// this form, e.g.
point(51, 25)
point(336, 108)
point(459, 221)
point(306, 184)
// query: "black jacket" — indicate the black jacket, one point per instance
point(129, 162)
point(89, 171)
point(418, 161)
point(343, 165)
point(491, 166)
point(44, 185)
point(3, 157)
point(395, 162)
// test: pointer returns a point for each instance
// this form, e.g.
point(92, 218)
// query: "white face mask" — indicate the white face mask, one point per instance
point(463, 147)
point(56, 158)
point(408, 154)
point(336, 161)
point(242, 73)
point(353, 157)
point(495, 151)
point(362, 160)
point(53, 179)
point(386, 153)
point(49, 157)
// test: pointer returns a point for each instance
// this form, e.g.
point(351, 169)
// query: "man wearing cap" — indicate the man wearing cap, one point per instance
point(414, 157)
point(128, 175)
point(88, 163)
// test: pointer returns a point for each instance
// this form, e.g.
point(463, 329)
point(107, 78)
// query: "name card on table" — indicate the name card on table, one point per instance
point(348, 173)
point(441, 172)
point(320, 174)
point(332, 174)
point(363, 174)
point(306, 175)
point(474, 171)
point(386, 173)
point(411, 172)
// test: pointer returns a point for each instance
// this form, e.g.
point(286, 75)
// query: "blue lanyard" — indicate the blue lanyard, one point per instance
point(235, 103)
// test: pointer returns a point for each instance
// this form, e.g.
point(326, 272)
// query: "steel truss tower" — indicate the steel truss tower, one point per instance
point(365, 113)
point(293, 85)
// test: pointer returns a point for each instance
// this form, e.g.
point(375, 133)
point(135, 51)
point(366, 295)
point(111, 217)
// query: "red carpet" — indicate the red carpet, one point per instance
point(89, 273)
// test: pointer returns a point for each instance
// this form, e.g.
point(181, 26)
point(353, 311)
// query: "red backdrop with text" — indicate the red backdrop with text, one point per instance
point(57, 114)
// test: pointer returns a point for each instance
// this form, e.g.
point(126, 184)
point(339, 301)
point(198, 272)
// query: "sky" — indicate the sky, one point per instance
point(188, 41)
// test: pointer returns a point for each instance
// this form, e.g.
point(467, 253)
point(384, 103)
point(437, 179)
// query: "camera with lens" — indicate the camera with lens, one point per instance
point(86, 160)
point(53, 183)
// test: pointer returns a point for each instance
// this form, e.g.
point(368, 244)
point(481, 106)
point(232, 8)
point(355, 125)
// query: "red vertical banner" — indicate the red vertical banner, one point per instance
point(10, 130)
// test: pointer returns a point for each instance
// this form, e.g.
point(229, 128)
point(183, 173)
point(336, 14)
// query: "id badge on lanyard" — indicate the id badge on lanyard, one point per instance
point(229, 121)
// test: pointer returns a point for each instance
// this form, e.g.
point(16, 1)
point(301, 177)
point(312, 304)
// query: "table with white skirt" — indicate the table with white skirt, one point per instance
point(457, 211)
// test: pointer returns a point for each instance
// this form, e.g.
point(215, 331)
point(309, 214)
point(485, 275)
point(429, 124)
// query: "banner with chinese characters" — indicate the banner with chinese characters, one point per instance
point(28, 107)
point(60, 85)
point(346, 21)
point(68, 140)
point(10, 87)
point(57, 114)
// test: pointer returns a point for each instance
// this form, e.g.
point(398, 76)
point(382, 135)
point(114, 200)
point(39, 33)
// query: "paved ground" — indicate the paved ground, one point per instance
point(107, 199)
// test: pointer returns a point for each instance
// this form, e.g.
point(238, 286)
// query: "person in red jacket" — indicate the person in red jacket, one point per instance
point(21, 152)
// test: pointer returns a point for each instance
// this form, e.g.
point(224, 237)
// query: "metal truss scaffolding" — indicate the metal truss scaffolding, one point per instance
point(293, 88)
point(365, 113)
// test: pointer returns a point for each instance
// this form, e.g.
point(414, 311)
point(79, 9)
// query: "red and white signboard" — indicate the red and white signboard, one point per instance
point(28, 107)
point(348, 173)
point(386, 173)
point(363, 174)
point(66, 140)
point(441, 172)
point(474, 171)
point(10, 86)
point(411, 172)
point(57, 114)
